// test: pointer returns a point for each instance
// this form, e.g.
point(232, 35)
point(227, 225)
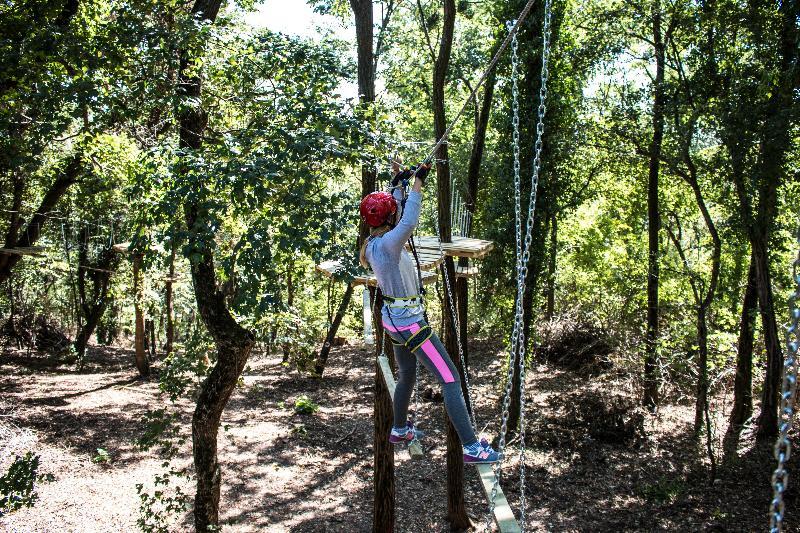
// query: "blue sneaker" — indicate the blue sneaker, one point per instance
point(405, 435)
point(480, 453)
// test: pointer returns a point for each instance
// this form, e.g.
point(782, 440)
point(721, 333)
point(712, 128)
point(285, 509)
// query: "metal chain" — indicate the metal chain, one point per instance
point(783, 446)
point(517, 335)
point(456, 326)
point(515, 142)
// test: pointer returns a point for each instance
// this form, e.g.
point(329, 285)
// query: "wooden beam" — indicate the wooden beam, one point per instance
point(503, 515)
point(388, 377)
point(35, 251)
point(86, 267)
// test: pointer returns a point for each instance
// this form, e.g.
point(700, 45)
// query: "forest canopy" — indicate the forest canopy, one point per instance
point(179, 208)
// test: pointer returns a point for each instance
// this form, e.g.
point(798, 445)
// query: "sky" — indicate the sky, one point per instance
point(293, 17)
point(297, 18)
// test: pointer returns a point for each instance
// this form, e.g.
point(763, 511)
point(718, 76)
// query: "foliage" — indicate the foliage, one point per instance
point(18, 485)
point(102, 456)
point(305, 405)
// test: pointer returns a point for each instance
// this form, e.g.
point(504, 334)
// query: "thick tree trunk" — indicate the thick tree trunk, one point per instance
point(383, 511)
point(169, 332)
point(456, 508)
point(362, 13)
point(743, 383)
point(233, 342)
point(322, 358)
point(767, 424)
point(776, 141)
point(650, 396)
point(142, 362)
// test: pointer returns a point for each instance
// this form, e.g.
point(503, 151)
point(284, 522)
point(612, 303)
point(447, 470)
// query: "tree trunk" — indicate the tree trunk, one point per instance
point(169, 332)
point(93, 303)
point(767, 424)
point(383, 511)
point(702, 369)
point(233, 342)
point(142, 363)
point(30, 235)
point(362, 13)
point(776, 140)
point(650, 397)
point(470, 199)
point(322, 358)
point(289, 303)
point(456, 508)
point(743, 384)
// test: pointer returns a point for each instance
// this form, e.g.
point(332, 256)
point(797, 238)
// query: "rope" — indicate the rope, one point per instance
point(443, 139)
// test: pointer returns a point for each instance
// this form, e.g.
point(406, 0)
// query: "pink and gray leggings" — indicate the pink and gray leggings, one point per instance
point(408, 346)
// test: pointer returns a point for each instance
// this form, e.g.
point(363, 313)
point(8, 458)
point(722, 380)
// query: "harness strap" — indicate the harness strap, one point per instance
point(405, 302)
point(418, 339)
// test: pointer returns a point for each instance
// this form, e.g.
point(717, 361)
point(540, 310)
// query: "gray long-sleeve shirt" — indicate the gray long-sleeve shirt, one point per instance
point(394, 266)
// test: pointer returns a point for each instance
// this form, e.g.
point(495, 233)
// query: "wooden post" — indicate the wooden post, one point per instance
point(142, 363)
point(383, 513)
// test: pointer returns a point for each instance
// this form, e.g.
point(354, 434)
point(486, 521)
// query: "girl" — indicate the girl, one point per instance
point(403, 313)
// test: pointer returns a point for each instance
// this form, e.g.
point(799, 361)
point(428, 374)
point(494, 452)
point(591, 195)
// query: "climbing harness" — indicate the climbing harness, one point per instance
point(783, 445)
point(522, 250)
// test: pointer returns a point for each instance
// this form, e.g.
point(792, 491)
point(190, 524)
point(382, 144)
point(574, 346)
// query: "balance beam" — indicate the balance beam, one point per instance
point(503, 515)
point(388, 377)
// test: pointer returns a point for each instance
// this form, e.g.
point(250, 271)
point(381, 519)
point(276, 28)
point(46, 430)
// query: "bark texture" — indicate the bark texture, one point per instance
point(650, 396)
point(233, 342)
point(743, 383)
point(16, 237)
point(383, 511)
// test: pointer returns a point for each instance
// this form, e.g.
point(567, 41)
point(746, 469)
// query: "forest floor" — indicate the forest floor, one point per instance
point(586, 470)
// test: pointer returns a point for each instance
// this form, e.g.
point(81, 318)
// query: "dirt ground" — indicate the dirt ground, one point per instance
point(284, 471)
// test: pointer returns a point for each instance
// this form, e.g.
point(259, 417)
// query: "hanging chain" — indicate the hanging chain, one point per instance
point(515, 124)
point(518, 334)
point(456, 324)
point(783, 446)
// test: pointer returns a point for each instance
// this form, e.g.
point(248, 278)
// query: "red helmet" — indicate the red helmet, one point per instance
point(377, 207)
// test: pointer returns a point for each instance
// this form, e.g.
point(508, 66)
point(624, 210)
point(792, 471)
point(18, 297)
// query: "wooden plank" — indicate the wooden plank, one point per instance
point(503, 515)
point(388, 377)
point(21, 251)
point(86, 267)
point(459, 247)
point(467, 271)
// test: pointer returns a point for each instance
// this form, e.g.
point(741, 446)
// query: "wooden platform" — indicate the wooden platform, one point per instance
point(429, 259)
point(331, 268)
point(414, 449)
point(460, 247)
